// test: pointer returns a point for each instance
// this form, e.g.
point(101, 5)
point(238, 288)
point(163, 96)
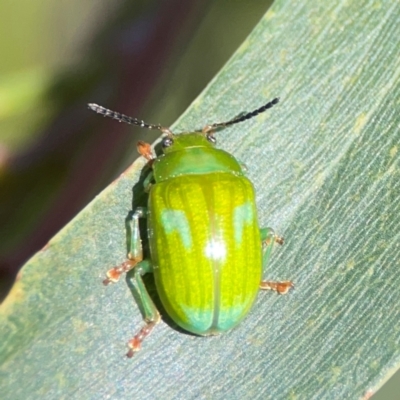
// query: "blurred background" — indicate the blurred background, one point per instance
point(145, 58)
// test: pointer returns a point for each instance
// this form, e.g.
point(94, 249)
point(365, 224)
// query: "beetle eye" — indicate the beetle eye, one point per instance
point(167, 142)
point(211, 138)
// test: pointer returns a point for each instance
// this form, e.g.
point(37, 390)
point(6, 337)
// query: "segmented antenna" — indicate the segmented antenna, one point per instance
point(243, 117)
point(124, 118)
point(207, 129)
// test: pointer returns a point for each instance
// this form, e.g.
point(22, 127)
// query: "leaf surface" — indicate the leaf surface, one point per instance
point(325, 165)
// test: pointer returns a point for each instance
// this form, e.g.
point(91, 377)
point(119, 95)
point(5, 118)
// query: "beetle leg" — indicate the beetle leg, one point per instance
point(281, 287)
point(149, 310)
point(268, 235)
point(144, 149)
point(147, 183)
point(135, 254)
point(269, 238)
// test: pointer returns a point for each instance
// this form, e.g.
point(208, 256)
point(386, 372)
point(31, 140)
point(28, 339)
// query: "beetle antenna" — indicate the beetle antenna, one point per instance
point(124, 118)
point(242, 116)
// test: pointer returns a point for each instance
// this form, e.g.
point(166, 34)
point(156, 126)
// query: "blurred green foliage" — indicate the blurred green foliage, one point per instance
point(56, 57)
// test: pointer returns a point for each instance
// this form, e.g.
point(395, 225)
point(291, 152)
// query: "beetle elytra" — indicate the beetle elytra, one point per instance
point(208, 253)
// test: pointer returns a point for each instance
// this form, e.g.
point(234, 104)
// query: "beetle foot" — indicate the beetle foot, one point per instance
point(276, 238)
point(135, 344)
point(115, 273)
point(279, 287)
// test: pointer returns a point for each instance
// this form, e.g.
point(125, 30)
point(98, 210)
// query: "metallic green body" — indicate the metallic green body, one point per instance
point(205, 243)
point(207, 251)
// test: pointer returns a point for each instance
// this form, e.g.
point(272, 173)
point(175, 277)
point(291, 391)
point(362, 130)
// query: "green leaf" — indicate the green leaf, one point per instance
point(325, 164)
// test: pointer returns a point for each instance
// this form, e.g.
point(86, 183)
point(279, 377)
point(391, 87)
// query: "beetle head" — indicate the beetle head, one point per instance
point(171, 143)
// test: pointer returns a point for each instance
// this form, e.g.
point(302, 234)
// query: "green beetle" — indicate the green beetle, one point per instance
point(207, 251)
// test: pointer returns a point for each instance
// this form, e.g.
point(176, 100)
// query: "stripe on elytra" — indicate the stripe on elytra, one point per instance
point(242, 216)
point(176, 221)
